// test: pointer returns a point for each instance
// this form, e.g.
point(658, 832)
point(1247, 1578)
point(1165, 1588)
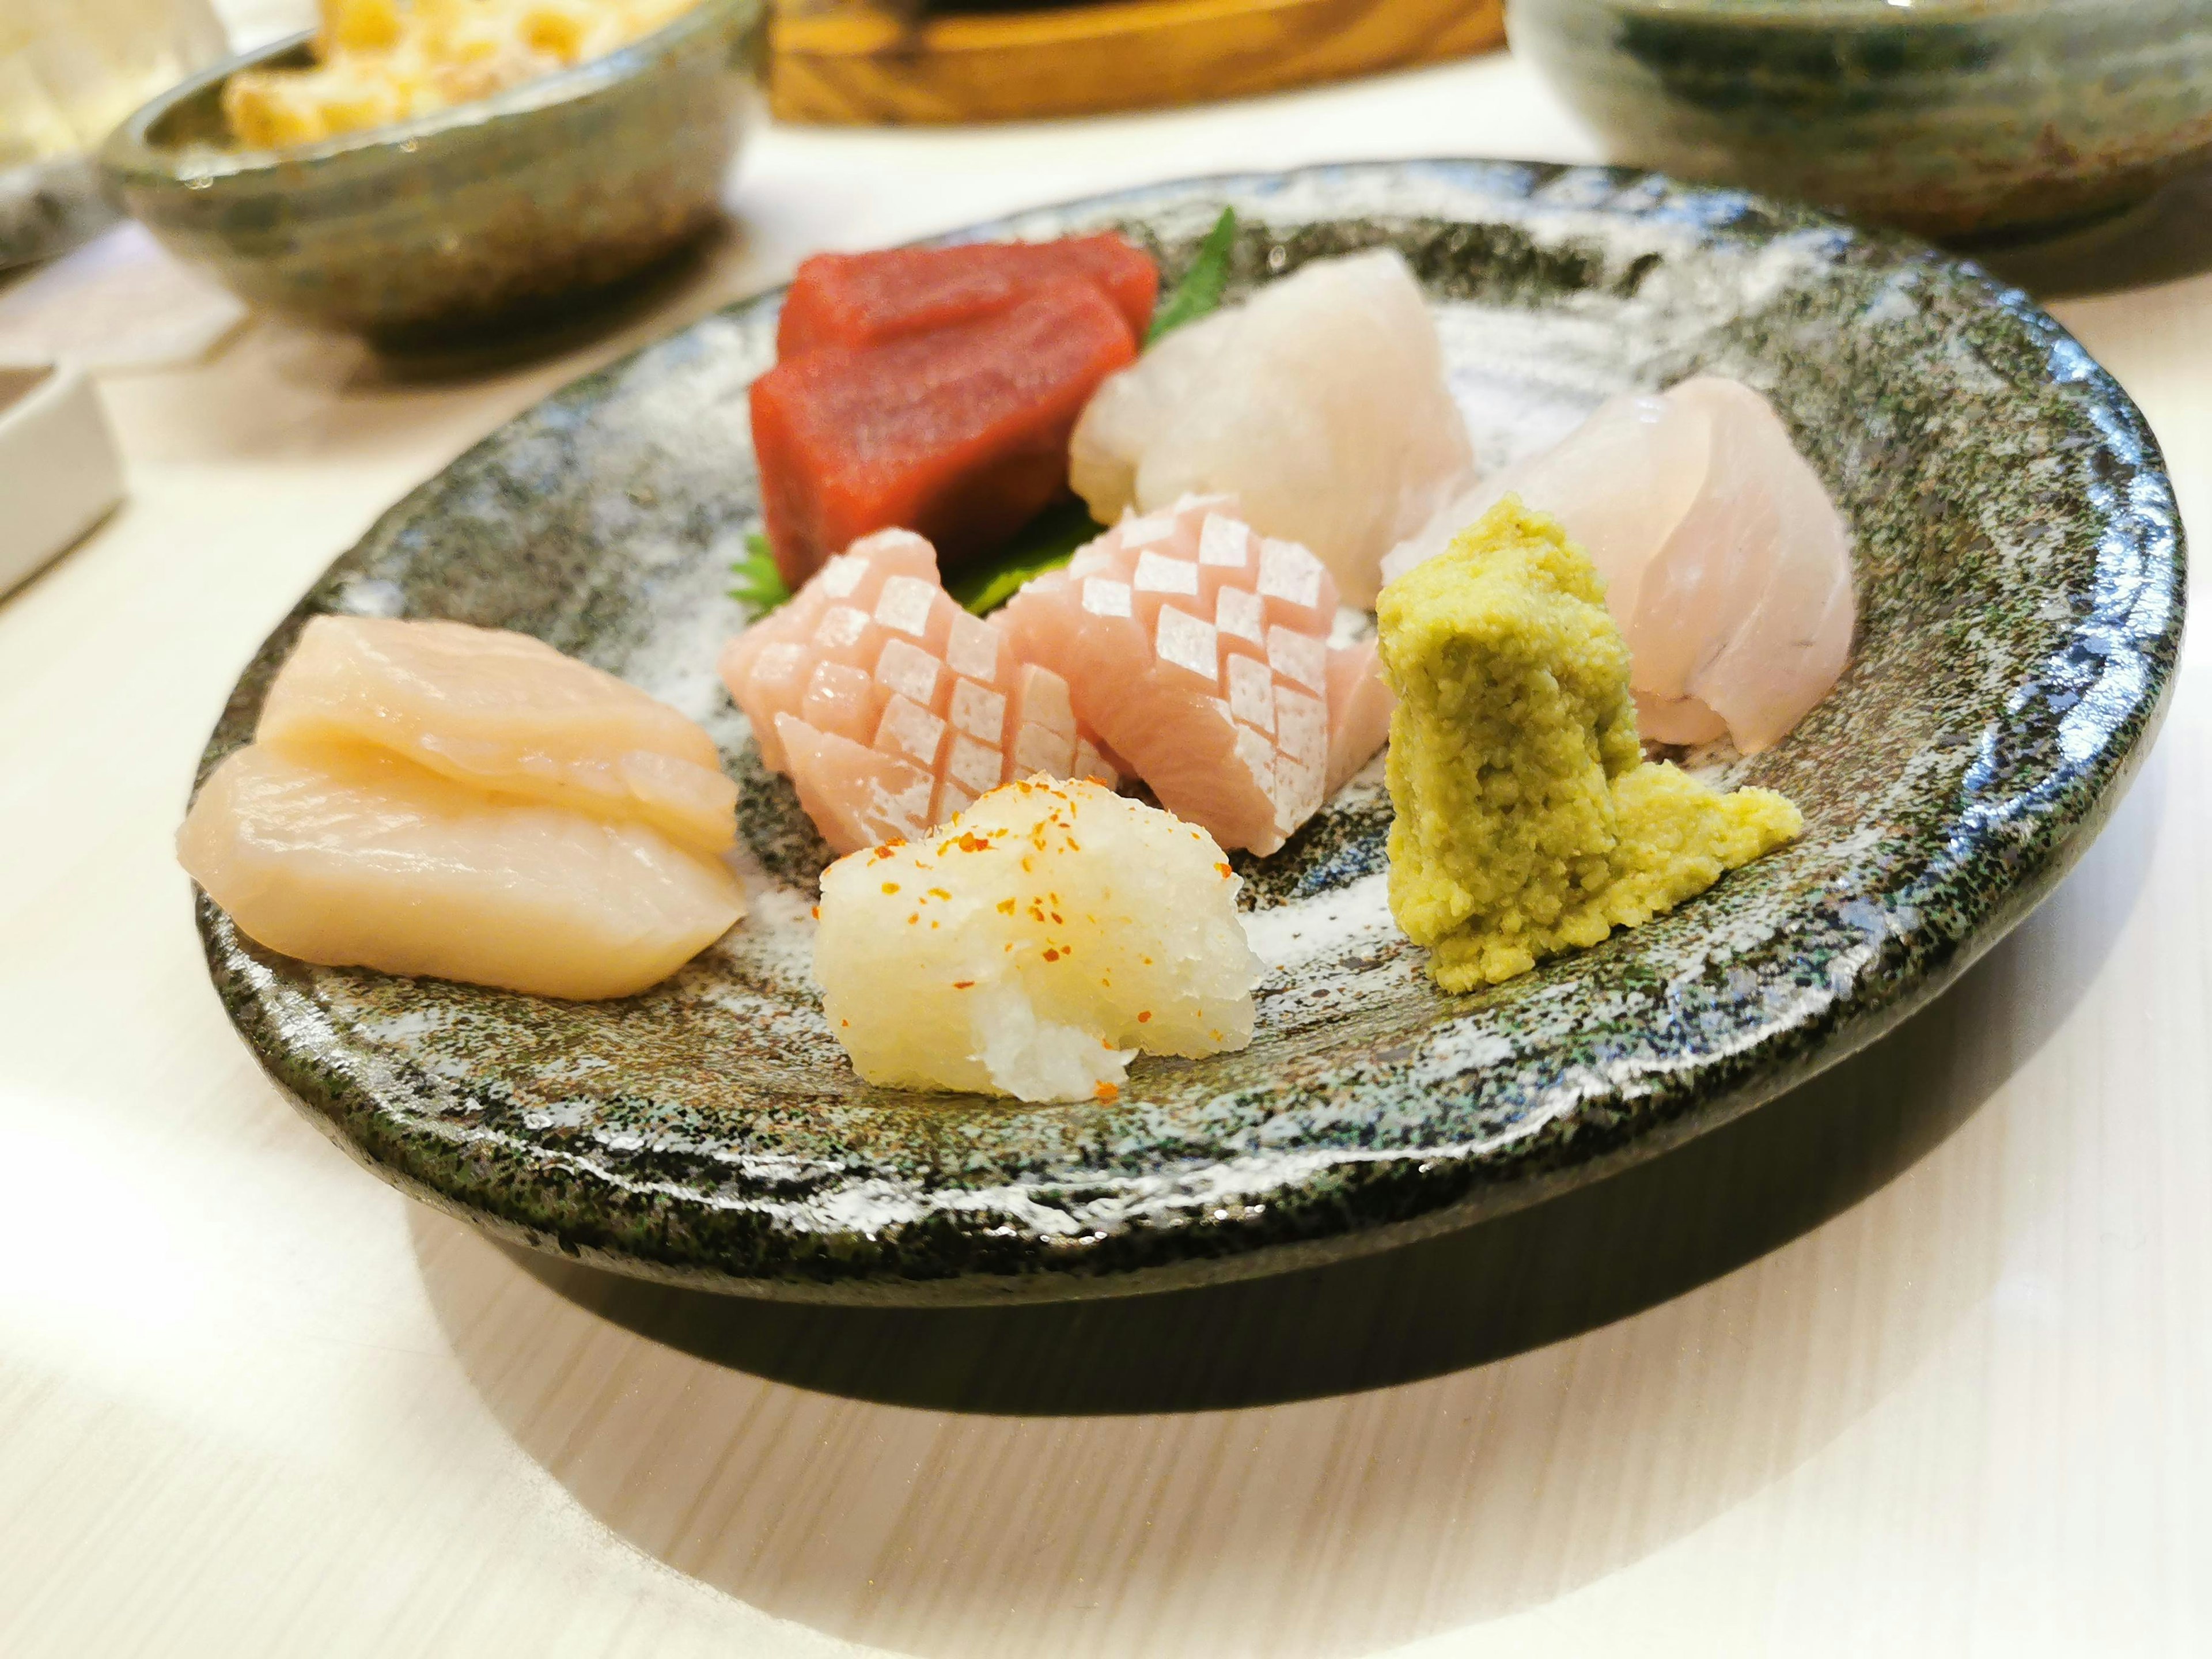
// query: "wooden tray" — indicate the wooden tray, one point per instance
point(854, 62)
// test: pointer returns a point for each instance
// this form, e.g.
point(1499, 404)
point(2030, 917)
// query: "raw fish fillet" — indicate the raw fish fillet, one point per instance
point(1033, 946)
point(360, 858)
point(1726, 565)
point(1200, 651)
point(503, 712)
point(890, 708)
point(860, 299)
point(1319, 403)
point(960, 434)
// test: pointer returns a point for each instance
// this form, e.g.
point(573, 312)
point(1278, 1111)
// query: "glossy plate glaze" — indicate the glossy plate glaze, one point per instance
point(2020, 572)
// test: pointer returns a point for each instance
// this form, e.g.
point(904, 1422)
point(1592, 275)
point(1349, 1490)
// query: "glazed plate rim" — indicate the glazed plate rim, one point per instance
point(882, 1266)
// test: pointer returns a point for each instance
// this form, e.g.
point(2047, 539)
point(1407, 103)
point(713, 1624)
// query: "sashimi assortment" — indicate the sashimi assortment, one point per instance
point(1724, 562)
point(890, 708)
point(1200, 651)
point(428, 798)
point(1320, 404)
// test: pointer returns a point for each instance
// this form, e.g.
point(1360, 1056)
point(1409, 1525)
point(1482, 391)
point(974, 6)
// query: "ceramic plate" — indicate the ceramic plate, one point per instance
point(2021, 576)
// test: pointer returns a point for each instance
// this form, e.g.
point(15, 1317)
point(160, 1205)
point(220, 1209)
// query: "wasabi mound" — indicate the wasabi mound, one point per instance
point(1528, 821)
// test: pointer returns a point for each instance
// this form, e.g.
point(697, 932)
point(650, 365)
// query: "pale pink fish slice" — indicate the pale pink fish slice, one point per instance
point(890, 706)
point(1725, 563)
point(1359, 706)
point(1200, 652)
point(1749, 609)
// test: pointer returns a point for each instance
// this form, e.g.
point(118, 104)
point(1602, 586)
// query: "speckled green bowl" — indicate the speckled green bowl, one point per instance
point(1951, 117)
point(485, 214)
point(2021, 576)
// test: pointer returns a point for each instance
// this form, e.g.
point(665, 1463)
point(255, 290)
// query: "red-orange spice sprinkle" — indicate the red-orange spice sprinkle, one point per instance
point(1107, 1092)
point(1224, 869)
point(972, 843)
point(1144, 1015)
point(1052, 955)
point(816, 913)
point(963, 984)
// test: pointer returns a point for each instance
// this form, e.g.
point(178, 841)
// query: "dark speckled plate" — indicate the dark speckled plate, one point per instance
point(2021, 569)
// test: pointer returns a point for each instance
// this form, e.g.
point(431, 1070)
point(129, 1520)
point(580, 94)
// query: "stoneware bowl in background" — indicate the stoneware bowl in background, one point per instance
point(1952, 117)
point(485, 213)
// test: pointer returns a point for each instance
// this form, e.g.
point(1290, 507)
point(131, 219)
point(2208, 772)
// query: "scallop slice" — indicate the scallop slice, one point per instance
point(502, 712)
point(358, 858)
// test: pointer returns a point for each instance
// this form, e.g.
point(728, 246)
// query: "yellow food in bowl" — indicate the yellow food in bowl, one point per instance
point(1528, 821)
point(382, 61)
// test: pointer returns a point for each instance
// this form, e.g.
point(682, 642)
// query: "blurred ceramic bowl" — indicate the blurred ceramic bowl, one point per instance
point(1951, 117)
point(489, 213)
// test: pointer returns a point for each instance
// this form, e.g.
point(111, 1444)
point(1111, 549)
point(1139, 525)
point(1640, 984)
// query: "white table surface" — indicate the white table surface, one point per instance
point(252, 1401)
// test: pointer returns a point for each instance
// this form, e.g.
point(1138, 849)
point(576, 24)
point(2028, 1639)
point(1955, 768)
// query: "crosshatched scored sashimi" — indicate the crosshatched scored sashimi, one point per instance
point(1200, 652)
point(503, 712)
point(891, 708)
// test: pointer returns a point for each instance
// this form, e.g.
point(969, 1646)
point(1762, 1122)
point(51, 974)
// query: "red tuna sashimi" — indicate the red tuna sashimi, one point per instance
point(889, 707)
point(864, 299)
point(1200, 651)
point(960, 434)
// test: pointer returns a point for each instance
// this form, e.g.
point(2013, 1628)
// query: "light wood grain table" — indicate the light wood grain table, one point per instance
point(1918, 1360)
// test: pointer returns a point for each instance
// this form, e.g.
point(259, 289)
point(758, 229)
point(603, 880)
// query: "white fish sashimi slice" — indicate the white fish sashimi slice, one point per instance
point(1033, 945)
point(1627, 476)
point(1129, 407)
point(357, 858)
point(1726, 565)
point(1320, 403)
point(504, 712)
point(1749, 609)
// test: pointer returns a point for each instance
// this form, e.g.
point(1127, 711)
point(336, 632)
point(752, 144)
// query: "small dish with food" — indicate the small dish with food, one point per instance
point(409, 184)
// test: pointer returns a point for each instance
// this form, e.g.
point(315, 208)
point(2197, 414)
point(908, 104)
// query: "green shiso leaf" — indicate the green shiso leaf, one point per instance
point(758, 584)
point(1045, 542)
point(1200, 290)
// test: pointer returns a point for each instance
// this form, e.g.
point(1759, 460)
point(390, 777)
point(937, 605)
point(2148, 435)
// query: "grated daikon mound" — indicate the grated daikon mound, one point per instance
point(1034, 945)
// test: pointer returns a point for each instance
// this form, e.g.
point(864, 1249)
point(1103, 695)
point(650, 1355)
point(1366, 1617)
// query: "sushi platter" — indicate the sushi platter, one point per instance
point(1258, 718)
